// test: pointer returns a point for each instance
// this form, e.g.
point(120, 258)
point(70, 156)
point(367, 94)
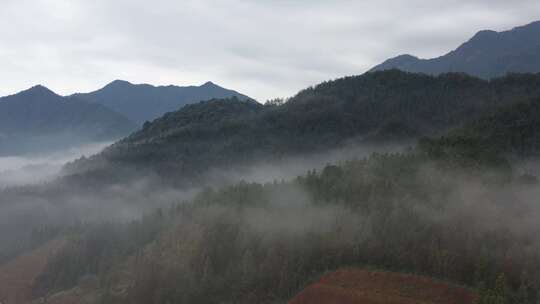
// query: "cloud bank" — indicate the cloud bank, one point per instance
point(262, 48)
point(24, 170)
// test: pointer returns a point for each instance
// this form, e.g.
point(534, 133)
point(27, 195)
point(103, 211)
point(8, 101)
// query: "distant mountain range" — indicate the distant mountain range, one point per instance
point(37, 119)
point(488, 54)
point(144, 102)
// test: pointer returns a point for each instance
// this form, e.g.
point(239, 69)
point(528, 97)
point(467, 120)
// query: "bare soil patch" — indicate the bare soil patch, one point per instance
point(353, 286)
point(18, 275)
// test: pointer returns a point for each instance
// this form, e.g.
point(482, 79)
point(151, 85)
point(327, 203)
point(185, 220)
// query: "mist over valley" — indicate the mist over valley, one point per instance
point(415, 181)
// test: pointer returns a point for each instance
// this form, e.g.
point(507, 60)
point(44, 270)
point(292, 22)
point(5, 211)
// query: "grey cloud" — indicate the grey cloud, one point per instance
point(262, 48)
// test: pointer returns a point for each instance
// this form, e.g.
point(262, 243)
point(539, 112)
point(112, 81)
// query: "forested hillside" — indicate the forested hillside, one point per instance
point(261, 243)
point(390, 106)
point(512, 129)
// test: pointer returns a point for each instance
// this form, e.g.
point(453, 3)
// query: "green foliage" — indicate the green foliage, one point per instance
point(379, 106)
point(511, 129)
point(496, 295)
point(421, 211)
point(95, 250)
point(260, 243)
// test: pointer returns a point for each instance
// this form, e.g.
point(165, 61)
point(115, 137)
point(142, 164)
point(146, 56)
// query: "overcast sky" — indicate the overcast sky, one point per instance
point(263, 48)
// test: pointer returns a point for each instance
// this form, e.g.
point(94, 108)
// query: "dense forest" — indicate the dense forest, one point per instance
point(453, 208)
point(457, 218)
point(510, 130)
point(390, 106)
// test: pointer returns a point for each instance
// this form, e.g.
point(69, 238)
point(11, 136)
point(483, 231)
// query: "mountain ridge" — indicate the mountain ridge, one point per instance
point(38, 118)
point(374, 107)
point(146, 102)
point(488, 54)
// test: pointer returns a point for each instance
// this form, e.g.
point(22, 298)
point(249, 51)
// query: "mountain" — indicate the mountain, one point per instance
point(38, 119)
point(488, 54)
point(391, 106)
point(263, 243)
point(144, 102)
point(416, 212)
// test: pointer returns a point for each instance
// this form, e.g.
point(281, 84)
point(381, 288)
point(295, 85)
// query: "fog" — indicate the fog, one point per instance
point(292, 166)
point(271, 239)
point(38, 194)
point(32, 169)
point(396, 212)
point(143, 191)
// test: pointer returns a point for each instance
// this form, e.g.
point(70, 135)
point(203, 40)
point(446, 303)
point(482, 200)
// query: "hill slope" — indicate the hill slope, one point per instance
point(260, 243)
point(488, 54)
point(370, 287)
point(18, 276)
point(38, 118)
point(389, 106)
point(144, 102)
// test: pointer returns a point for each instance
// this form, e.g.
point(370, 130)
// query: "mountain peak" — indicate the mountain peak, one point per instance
point(39, 91)
point(487, 54)
point(406, 56)
point(209, 84)
point(39, 87)
point(146, 102)
point(484, 34)
point(399, 62)
point(119, 83)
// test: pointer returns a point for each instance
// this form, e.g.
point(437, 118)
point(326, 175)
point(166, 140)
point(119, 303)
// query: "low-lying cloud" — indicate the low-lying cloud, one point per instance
point(33, 169)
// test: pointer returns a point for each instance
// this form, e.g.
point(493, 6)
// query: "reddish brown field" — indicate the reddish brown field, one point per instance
point(373, 287)
point(17, 276)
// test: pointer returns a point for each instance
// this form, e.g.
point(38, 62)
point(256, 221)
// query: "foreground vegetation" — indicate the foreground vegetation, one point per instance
point(453, 218)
